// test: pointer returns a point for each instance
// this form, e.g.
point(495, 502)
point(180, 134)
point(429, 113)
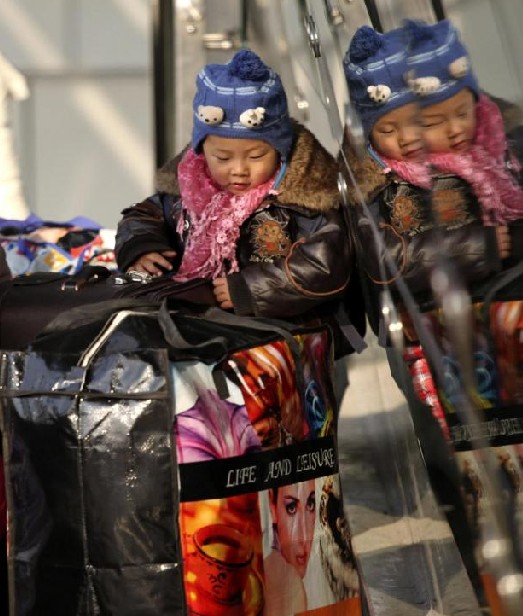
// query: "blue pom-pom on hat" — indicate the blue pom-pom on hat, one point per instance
point(365, 44)
point(242, 99)
point(439, 65)
point(248, 65)
point(375, 66)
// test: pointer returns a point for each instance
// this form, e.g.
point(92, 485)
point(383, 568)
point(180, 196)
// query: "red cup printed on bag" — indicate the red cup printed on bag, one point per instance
point(223, 562)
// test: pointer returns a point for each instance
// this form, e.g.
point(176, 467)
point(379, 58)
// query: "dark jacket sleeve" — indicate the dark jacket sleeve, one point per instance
point(143, 228)
point(5, 272)
point(472, 249)
point(316, 269)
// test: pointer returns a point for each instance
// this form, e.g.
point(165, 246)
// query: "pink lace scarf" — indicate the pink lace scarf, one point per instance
point(483, 166)
point(216, 217)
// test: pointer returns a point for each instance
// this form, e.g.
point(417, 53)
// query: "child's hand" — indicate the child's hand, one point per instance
point(154, 263)
point(503, 240)
point(221, 292)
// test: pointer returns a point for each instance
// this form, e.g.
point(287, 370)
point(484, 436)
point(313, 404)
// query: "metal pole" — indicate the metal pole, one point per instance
point(374, 15)
point(244, 34)
point(439, 11)
point(163, 14)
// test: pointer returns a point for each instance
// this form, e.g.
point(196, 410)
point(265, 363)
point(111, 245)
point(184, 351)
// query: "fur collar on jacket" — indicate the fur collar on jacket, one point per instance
point(369, 176)
point(310, 180)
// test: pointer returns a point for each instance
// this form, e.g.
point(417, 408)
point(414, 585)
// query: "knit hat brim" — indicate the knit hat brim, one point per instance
point(282, 143)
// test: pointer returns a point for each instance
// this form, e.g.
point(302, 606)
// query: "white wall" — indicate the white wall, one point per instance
point(491, 30)
point(84, 136)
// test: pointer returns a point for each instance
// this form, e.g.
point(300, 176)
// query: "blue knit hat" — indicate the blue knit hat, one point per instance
point(439, 65)
point(243, 99)
point(375, 67)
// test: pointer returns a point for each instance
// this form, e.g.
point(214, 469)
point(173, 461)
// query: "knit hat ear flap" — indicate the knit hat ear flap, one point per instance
point(375, 65)
point(243, 99)
point(439, 66)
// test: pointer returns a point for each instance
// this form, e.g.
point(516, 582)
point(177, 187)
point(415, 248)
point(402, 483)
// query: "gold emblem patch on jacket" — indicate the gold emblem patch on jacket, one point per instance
point(270, 240)
point(451, 207)
point(405, 216)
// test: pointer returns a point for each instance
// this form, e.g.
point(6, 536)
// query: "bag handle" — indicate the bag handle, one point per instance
point(190, 350)
point(176, 339)
point(86, 275)
point(282, 328)
point(275, 326)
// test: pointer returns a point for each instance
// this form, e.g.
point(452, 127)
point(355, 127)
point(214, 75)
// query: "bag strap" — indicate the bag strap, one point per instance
point(176, 339)
point(90, 313)
point(70, 282)
point(348, 329)
point(277, 326)
point(262, 324)
point(217, 315)
point(190, 350)
point(222, 317)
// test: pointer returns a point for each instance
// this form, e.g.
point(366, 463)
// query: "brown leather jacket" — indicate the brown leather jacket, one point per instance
point(403, 215)
point(309, 264)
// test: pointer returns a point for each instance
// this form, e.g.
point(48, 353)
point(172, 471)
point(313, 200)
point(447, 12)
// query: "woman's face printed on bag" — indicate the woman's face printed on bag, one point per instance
point(450, 126)
point(398, 134)
point(237, 165)
point(293, 510)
